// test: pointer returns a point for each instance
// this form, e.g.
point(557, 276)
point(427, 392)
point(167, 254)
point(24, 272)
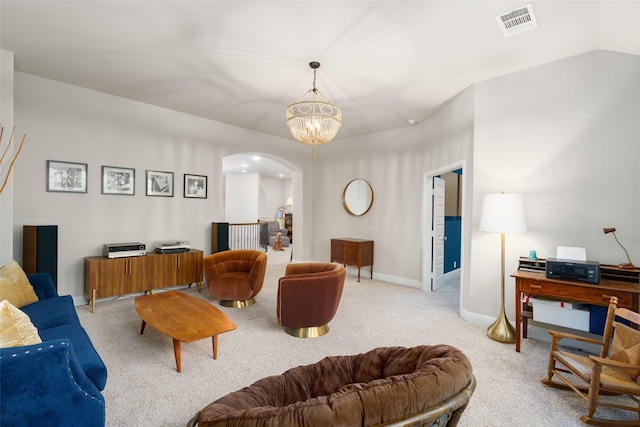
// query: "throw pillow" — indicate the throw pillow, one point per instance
point(15, 287)
point(16, 328)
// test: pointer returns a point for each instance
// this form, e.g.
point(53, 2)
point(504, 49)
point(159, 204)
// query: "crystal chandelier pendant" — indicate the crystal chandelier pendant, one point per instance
point(312, 119)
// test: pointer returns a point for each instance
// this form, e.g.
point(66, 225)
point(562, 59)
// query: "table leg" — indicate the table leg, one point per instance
point(214, 339)
point(518, 316)
point(91, 300)
point(358, 274)
point(176, 352)
point(142, 327)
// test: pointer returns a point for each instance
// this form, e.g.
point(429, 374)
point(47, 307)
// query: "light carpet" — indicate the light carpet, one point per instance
point(144, 389)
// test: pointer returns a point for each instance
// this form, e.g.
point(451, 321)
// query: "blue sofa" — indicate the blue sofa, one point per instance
point(57, 382)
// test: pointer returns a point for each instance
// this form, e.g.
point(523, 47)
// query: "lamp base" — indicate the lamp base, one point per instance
point(626, 266)
point(501, 330)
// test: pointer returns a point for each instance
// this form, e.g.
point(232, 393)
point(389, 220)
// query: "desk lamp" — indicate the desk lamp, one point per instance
point(629, 264)
point(502, 213)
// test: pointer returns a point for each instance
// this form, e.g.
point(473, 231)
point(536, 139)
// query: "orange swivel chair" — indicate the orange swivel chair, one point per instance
point(308, 298)
point(235, 277)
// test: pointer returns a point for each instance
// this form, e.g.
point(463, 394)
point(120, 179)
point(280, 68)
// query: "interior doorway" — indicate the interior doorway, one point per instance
point(268, 184)
point(442, 228)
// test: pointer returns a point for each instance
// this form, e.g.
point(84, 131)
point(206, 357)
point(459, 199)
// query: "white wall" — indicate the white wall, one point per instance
point(566, 135)
point(6, 119)
point(242, 205)
point(276, 191)
point(69, 123)
point(394, 163)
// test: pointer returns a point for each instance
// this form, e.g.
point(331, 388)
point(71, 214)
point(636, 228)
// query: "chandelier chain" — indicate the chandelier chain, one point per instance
point(314, 80)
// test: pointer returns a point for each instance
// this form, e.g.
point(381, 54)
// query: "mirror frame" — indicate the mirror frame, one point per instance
point(344, 197)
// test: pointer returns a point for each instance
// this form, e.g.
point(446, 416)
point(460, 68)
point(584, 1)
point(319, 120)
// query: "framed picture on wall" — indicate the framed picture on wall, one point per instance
point(159, 183)
point(66, 177)
point(117, 180)
point(195, 186)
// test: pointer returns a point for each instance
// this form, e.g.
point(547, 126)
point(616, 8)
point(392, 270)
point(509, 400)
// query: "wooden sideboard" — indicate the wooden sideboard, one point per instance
point(354, 252)
point(106, 277)
point(537, 284)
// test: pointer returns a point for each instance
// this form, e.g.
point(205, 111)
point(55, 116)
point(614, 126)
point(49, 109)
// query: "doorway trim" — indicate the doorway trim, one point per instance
point(427, 222)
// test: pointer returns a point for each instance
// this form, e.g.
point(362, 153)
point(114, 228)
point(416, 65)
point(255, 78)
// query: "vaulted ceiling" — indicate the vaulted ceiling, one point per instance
point(242, 62)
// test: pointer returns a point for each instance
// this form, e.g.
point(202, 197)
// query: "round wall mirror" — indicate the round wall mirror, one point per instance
point(357, 197)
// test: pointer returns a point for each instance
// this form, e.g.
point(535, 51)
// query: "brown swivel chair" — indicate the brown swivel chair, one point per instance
point(308, 298)
point(235, 277)
point(615, 371)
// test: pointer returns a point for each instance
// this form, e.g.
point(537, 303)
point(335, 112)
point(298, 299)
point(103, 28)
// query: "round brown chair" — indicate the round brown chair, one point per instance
point(235, 277)
point(308, 297)
point(390, 386)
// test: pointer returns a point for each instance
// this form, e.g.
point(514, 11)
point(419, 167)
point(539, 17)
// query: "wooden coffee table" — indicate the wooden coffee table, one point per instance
point(183, 318)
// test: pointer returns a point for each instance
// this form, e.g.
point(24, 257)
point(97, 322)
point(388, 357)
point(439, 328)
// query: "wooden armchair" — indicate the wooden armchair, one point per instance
point(614, 372)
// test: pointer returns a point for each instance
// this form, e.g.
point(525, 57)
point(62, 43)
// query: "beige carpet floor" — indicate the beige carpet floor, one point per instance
point(144, 389)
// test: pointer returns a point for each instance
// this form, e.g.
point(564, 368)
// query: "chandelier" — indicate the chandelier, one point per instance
point(312, 119)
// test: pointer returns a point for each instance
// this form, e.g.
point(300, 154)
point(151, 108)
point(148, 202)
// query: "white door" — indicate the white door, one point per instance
point(437, 233)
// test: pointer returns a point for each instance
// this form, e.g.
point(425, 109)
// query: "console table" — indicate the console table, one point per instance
point(106, 277)
point(354, 252)
point(536, 283)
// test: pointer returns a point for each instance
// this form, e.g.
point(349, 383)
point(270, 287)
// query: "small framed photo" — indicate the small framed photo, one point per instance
point(159, 183)
point(195, 186)
point(66, 177)
point(117, 180)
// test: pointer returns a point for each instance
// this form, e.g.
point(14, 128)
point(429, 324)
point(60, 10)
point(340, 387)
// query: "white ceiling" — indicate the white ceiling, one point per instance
point(242, 62)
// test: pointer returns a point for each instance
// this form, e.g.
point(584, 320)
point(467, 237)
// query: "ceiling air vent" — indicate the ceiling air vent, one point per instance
point(517, 20)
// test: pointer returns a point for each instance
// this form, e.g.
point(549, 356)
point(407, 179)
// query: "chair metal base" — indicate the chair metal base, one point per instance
point(308, 332)
point(237, 303)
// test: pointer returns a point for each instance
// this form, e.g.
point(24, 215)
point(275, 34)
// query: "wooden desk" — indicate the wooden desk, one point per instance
point(599, 294)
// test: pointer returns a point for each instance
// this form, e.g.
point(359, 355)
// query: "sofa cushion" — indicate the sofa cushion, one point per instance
point(42, 285)
point(52, 312)
point(16, 328)
point(89, 359)
point(15, 287)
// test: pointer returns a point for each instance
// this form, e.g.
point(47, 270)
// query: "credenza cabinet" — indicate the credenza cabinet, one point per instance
point(107, 277)
point(354, 252)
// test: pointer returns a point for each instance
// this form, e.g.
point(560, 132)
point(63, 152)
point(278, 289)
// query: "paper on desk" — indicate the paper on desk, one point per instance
point(568, 252)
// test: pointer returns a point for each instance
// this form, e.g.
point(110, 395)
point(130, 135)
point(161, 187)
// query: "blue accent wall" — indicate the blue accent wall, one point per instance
point(452, 230)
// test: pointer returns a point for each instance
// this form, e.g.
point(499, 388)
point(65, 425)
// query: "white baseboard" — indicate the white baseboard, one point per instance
point(537, 331)
point(365, 273)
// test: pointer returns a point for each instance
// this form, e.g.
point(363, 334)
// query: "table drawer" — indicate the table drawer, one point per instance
point(581, 293)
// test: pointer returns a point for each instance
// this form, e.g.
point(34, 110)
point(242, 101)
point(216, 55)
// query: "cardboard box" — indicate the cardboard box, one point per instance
point(574, 318)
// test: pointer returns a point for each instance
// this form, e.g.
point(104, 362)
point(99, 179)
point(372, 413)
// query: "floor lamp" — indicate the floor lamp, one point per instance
point(502, 213)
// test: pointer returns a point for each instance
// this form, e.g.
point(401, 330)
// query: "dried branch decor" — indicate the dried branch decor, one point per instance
point(4, 153)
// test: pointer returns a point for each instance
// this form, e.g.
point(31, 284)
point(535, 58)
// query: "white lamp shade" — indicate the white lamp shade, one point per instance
point(503, 213)
point(289, 201)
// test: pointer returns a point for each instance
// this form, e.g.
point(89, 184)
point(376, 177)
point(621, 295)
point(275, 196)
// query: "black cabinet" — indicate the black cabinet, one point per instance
point(219, 237)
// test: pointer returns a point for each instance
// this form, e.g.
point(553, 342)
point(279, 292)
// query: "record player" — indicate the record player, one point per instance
point(173, 247)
